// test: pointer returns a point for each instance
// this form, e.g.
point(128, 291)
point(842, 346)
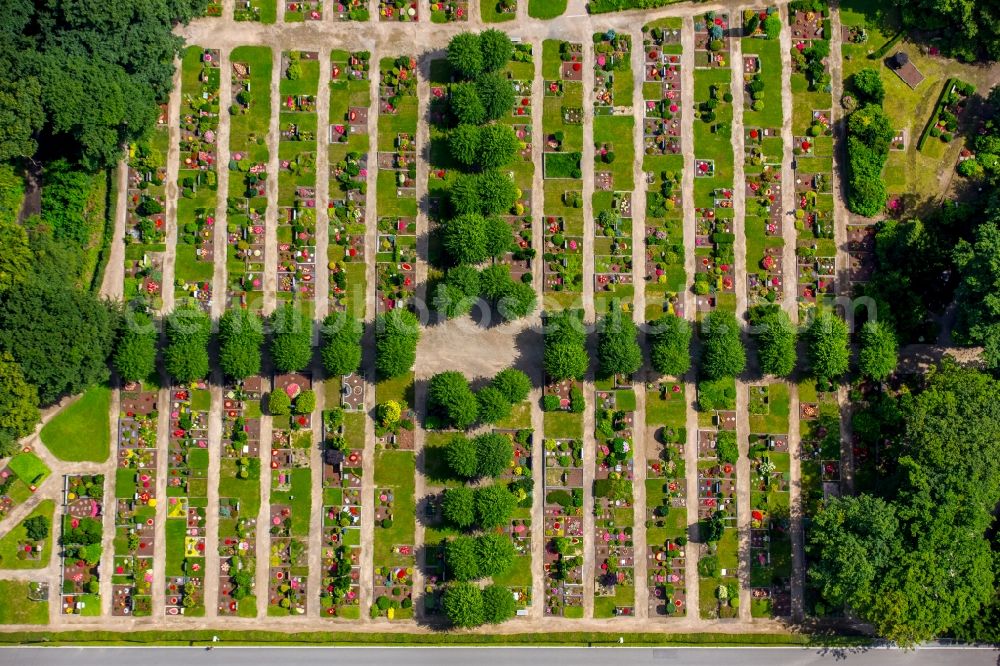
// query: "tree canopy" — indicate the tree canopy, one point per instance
point(241, 336)
point(18, 400)
point(670, 345)
point(397, 333)
point(776, 336)
point(450, 398)
point(879, 351)
point(340, 344)
point(618, 351)
point(291, 339)
point(189, 330)
point(827, 348)
point(135, 350)
point(722, 353)
point(565, 355)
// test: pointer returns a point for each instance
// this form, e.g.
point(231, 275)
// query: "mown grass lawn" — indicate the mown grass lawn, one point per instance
point(546, 9)
point(17, 608)
point(82, 431)
point(9, 542)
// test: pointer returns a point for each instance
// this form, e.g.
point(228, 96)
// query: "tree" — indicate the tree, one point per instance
point(498, 604)
point(867, 86)
point(466, 105)
point(279, 403)
point(513, 384)
point(518, 300)
point(496, 192)
point(463, 144)
point(305, 403)
point(18, 399)
point(498, 145)
point(670, 345)
point(458, 506)
point(463, 604)
point(878, 356)
point(495, 553)
point(241, 336)
point(60, 336)
point(565, 354)
point(722, 353)
point(450, 398)
point(135, 350)
point(827, 349)
point(499, 237)
point(853, 540)
point(497, 49)
point(776, 336)
point(493, 405)
point(340, 340)
point(462, 457)
point(494, 454)
point(397, 333)
point(21, 117)
point(388, 413)
point(494, 506)
point(461, 558)
point(497, 95)
point(291, 339)
point(189, 330)
point(772, 26)
point(464, 239)
point(465, 55)
point(36, 528)
point(618, 351)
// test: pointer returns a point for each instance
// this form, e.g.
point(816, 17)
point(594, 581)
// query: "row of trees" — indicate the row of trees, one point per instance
point(452, 402)
point(465, 286)
point(869, 137)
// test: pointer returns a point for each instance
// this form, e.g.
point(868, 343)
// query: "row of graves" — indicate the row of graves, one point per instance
point(563, 514)
point(770, 505)
point(614, 551)
point(397, 172)
point(247, 201)
point(297, 145)
point(449, 11)
point(613, 174)
point(349, 151)
point(563, 129)
point(297, 11)
point(663, 165)
point(343, 459)
point(82, 532)
point(197, 177)
point(239, 498)
point(350, 10)
point(718, 566)
point(291, 497)
point(666, 499)
point(135, 502)
point(764, 214)
point(712, 40)
point(395, 556)
point(146, 218)
point(187, 499)
point(398, 10)
point(261, 11)
point(714, 250)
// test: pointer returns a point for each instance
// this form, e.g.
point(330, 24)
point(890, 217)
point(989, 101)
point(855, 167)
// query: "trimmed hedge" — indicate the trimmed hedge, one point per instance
point(885, 48)
point(934, 112)
point(605, 6)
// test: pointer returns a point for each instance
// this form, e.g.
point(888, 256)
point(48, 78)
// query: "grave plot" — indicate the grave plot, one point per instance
point(262, 11)
point(187, 499)
point(613, 274)
point(761, 71)
point(343, 456)
point(146, 220)
point(349, 151)
point(298, 11)
point(718, 565)
point(816, 276)
point(612, 74)
point(666, 499)
point(214, 8)
point(562, 124)
point(350, 10)
point(820, 455)
point(813, 218)
point(763, 222)
point(520, 482)
point(564, 527)
point(291, 498)
point(239, 498)
point(398, 10)
point(770, 516)
point(197, 178)
point(861, 252)
point(82, 530)
point(394, 552)
point(20, 478)
point(663, 165)
point(714, 284)
point(27, 544)
point(296, 270)
point(712, 37)
point(614, 554)
point(449, 11)
point(247, 200)
point(135, 502)
point(498, 11)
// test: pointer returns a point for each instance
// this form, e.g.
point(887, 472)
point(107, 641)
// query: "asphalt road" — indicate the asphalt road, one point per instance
point(485, 656)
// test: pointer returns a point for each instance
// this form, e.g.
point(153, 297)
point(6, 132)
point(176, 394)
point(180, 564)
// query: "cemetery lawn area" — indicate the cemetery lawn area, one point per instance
point(489, 13)
point(546, 9)
point(18, 609)
point(9, 542)
point(563, 425)
point(82, 431)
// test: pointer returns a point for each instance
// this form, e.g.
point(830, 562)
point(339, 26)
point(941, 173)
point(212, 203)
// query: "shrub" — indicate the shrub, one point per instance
point(670, 345)
point(495, 553)
point(726, 448)
point(462, 457)
point(494, 506)
point(458, 506)
point(550, 402)
point(498, 604)
point(461, 559)
point(450, 398)
point(722, 350)
point(493, 405)
point(278, 403)
point(494, 453)
point(396, 335)
point(305, 403)
point(463, 604)
point(513, 384)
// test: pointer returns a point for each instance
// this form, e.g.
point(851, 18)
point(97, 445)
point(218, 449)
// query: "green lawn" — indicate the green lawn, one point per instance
point(395, 469)
point(563, 425)
point(546, 9)
point(29, 468)
point(17, 608)
point(82, 431)
point(9, 542)
point(489, 13)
